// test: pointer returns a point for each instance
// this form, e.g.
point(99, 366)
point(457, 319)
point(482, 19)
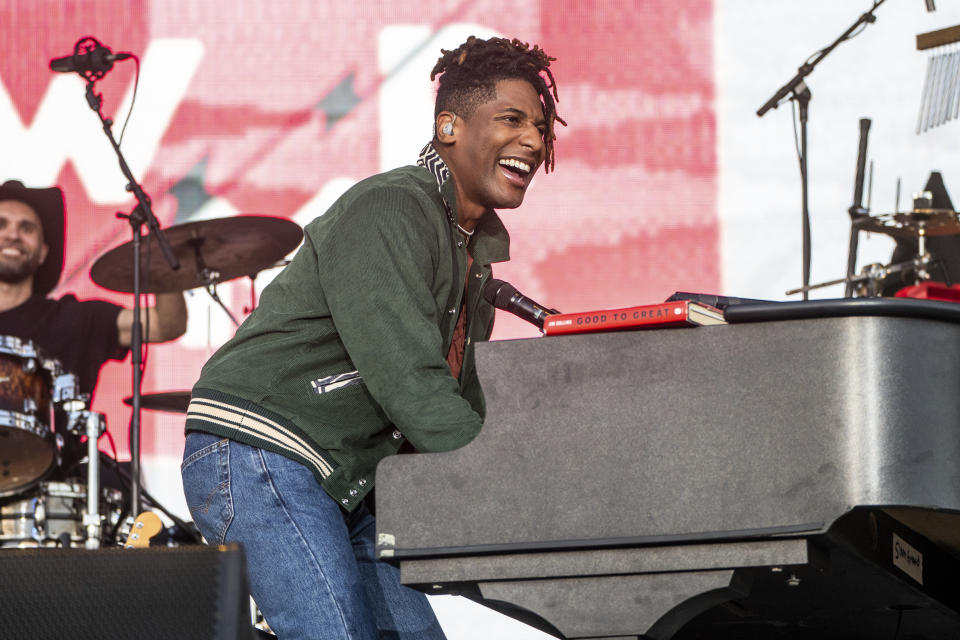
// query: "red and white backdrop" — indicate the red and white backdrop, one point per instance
point(666, 180)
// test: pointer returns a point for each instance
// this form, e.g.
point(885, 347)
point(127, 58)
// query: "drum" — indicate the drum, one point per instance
point(51, 514)
point(30, 382)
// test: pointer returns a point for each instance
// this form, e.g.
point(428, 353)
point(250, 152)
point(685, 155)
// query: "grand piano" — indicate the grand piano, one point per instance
point(794, 474)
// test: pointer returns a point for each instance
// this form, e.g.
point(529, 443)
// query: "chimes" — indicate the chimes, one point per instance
point(940, 101)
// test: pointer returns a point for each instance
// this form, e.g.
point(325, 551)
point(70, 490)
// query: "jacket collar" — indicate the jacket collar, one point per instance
point(490, 242)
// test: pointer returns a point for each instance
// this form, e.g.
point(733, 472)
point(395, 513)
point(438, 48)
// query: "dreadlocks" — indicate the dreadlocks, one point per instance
point(471, 71)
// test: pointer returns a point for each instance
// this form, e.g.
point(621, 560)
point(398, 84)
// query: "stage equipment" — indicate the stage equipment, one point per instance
point(141, 215)
point(789, 475)
point(172, 401)
point(857, 210)
point(504, 295)
point(195, 592)
point(33, 383)
point(90, 59)
point(55, 514)
point(940, 99)
point(211, 251)
point(919, 223)
point(797, 89)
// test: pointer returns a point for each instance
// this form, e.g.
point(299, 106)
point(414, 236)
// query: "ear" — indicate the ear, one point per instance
point(446, 124)
point(44, 249)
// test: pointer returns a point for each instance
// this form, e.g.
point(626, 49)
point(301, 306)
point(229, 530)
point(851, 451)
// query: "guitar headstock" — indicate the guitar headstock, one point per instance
point(147, 525)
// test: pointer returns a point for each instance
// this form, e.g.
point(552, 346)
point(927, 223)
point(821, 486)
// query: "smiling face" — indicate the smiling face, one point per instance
point(22, 249)
point(494, 153)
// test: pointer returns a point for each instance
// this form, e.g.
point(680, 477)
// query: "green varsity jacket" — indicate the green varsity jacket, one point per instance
point(345, 357)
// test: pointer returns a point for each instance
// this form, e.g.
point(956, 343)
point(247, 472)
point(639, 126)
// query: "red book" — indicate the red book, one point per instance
point(665, 314)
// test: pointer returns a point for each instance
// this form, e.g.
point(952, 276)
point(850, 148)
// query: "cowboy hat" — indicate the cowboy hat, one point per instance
point(48, 204)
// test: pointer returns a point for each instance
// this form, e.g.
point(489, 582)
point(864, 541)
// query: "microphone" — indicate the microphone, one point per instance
point(504, 295)
point(97, 60)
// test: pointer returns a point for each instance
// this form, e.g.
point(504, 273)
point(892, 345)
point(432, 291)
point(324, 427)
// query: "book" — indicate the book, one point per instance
point(655, 316)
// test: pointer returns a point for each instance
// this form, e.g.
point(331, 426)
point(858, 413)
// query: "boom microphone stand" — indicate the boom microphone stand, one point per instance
point(798, 91)
point(140, 215)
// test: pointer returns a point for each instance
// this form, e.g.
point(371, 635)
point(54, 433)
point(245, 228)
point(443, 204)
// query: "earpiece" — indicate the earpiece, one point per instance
point(447, 129)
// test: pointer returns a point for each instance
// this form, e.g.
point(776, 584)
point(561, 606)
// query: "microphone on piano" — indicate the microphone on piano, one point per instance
point(504, 295)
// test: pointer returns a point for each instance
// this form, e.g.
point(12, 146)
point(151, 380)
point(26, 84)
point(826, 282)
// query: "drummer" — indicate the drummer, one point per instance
point(81, 335)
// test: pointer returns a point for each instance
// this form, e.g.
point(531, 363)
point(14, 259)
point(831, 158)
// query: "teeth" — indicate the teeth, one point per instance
point(516, 164)
point(10, 251)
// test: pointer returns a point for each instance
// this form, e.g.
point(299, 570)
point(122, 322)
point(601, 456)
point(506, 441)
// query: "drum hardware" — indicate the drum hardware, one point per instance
point(871, 276)
point(210, 252)
point(65, 391)
point(919, 223)
point(922, 223)
point(92, 425)
point(51, 514)
point(82, 422)
point(171, 401)
point(209, 278)
point(31, 385)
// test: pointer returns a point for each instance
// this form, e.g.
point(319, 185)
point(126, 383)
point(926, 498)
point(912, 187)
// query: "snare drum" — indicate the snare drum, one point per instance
point(30, 382)
point(52, 513)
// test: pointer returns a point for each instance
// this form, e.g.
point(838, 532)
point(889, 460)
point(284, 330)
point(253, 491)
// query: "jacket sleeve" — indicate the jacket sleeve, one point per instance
point(379, 266)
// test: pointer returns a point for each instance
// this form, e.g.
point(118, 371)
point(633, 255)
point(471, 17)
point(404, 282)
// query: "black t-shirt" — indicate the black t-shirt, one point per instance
point(80, 335)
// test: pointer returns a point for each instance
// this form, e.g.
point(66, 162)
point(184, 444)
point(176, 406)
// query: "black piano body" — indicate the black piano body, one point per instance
point(793, 475)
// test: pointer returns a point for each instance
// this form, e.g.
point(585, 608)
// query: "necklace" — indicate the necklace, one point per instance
point(464, 231)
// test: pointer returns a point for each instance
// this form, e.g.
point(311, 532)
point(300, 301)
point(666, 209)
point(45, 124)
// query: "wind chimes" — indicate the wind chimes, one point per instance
point(940, 101)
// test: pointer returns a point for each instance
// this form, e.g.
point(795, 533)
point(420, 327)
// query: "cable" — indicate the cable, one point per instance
point(136, 83)
point(853, 35)
point(113, 445)
point(145, 343)
point(796, 134)
point(124, 478)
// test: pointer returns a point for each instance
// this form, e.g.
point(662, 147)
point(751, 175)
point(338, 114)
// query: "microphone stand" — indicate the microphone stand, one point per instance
point(801, 94)
point(140, 215)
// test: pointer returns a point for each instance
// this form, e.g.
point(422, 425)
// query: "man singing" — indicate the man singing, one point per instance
point(362, 346)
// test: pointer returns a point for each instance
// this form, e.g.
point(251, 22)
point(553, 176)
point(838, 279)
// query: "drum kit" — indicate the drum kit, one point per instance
point(921, 223)
point(44, 500)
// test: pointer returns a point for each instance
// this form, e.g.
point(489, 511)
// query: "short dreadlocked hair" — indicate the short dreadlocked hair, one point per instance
point(469, 75)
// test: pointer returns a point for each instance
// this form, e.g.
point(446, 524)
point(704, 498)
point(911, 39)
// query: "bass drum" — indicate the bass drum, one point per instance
point(51, 515)
point(30, 384)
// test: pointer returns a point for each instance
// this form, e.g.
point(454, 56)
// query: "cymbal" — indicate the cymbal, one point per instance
point(210, 251)
point(934, 222)
point(172, 401)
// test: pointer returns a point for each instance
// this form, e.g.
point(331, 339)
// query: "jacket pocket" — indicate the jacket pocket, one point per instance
point(337, 381)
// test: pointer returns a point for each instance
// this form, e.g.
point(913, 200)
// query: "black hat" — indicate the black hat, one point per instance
point(48, 203)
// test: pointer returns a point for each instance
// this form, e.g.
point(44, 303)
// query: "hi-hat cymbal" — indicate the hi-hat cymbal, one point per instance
point(209, 251)
point(172, 401)
point(908, 224)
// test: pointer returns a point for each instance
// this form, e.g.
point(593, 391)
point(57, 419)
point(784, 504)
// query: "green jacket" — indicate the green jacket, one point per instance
point(345, 357)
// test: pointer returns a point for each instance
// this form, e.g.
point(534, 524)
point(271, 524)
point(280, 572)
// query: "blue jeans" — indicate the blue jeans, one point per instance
point(312, 567)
